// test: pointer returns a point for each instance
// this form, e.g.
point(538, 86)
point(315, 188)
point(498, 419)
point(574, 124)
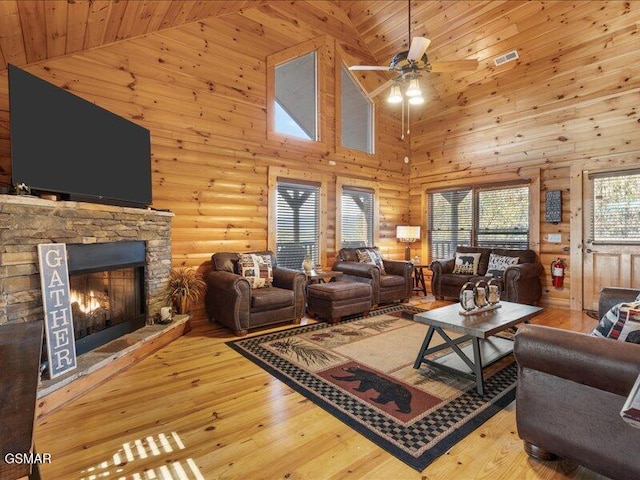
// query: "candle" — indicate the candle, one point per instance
point(494, 296)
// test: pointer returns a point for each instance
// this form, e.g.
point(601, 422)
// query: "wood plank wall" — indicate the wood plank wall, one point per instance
point(576, 108)
point(201, 91)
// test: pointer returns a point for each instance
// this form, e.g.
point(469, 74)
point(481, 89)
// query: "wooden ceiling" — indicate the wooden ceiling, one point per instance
point(35, 30)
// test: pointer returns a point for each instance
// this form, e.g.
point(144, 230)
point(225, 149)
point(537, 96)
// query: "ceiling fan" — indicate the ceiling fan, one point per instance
point(410, 63)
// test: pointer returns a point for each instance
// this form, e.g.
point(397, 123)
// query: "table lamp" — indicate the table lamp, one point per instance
point(407, 234)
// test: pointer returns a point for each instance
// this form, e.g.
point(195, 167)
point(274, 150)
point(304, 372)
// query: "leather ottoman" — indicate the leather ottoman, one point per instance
point(338, 299)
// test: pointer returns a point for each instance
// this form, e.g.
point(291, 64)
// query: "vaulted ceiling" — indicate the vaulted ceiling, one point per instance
point(572, 33)
point(35, 30)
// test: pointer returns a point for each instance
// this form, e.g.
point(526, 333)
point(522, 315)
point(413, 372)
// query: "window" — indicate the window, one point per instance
point(357, 217)
point(496, 217)
point(295, 97)
point(356, 111)
point(616, 207)
point(297, 223)
point(297, 91)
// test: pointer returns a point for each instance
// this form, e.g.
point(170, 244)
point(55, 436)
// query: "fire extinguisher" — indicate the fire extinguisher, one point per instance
point(557, 272)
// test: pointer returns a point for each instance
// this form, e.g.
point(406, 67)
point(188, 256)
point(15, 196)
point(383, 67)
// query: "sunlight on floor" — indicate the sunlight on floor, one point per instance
point(140, 449)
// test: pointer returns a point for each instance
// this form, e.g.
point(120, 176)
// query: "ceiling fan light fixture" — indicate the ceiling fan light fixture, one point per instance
point(417, 100)
point(395, 95)
point(413, 90)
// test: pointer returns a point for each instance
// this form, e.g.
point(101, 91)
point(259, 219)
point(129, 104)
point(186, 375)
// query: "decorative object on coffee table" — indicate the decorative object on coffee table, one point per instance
point(185, 287)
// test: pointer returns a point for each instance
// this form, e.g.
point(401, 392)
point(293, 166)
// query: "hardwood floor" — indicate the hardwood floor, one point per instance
point(198, 407)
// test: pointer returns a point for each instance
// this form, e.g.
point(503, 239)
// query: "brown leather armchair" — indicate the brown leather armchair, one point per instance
point(231, 301)
point(395, 285)
point(520, 283)
point(571, 388)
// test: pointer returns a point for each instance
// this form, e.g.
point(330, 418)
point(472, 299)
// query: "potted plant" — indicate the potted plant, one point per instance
point(185, 287)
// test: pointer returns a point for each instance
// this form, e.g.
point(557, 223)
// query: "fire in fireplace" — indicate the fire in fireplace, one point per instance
point(107, 291)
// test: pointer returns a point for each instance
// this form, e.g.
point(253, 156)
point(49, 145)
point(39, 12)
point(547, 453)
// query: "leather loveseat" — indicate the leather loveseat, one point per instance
point(520, 283)
point(571, 388)
point(395, 284)
point(231, 301)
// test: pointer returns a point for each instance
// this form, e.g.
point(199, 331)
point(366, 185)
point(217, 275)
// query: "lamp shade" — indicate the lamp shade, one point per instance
point(395, 95)
point(418, 100)
point(406, 233)
point(413, 89)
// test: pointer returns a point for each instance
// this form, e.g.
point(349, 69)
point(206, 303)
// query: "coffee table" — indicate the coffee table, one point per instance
point(481, 328)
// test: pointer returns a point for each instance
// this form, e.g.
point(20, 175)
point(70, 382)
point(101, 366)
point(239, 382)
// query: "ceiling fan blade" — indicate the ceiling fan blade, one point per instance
point(454, 66)
point(418, 46)
point(369, 67)
point(377, 91)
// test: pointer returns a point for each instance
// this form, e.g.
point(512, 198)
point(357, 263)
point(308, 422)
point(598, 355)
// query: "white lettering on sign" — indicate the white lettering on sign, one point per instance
point(54, 281)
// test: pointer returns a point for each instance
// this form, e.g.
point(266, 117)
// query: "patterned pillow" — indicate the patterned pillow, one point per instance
point(621, 322)
point(499, 263)
point(371, 256)
point(466, 263)
point(257, 269)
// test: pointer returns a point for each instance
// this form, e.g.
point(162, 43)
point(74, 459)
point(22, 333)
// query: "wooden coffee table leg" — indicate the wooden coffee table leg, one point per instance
point(477, 365)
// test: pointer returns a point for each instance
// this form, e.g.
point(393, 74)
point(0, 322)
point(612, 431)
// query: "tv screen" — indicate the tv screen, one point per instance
point(63, 144)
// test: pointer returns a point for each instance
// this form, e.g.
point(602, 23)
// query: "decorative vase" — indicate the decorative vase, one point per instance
point(307, 264)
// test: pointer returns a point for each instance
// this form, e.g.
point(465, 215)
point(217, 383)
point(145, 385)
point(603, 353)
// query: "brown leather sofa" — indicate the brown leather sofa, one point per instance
point(520, 283)
point(571, 388)
point(231, 301)
point(395, 285)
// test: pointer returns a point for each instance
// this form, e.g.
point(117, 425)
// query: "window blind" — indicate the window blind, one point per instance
point(451, 222)
point(616, 207)
point(295, 91)
point(297, 224)
point(495, 217)
point(357, 217)
point(356, 114)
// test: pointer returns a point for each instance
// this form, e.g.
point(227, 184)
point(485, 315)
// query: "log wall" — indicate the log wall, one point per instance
point(570, 102)
point(201, 90)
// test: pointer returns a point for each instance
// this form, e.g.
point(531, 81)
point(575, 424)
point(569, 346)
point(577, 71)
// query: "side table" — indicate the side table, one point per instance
point(419, 284)
point(323, 277)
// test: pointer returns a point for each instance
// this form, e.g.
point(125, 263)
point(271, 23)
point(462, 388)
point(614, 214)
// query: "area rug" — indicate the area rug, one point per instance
point(361, 371)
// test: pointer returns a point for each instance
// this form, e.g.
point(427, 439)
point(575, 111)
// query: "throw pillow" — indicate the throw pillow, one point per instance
point(621, 322)
point(257, 269)
point(466, 263)
point(499, 263)
point(371, 256)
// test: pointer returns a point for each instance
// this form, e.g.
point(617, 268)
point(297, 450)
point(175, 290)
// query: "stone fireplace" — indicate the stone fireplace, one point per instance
point(119, 262)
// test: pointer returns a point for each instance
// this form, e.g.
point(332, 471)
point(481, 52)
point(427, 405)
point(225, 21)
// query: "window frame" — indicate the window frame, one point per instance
point(277, 174)
point(319, 45)
point(530, 175)
point(342, 182)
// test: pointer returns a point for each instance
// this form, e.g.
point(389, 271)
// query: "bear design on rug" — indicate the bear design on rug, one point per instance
point(387, 390)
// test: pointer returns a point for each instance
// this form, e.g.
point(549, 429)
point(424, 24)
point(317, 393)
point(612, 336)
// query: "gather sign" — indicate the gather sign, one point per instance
point(54, 279)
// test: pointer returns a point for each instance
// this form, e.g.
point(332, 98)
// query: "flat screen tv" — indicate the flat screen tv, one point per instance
point(62, 144)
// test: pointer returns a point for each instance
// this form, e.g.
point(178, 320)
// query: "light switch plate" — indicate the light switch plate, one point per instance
point(554, 237)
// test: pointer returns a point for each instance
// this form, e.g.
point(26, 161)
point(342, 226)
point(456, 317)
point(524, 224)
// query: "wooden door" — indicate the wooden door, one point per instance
point(609, 261)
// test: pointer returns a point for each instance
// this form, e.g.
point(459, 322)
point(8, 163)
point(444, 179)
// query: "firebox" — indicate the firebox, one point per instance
point(107, 291)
